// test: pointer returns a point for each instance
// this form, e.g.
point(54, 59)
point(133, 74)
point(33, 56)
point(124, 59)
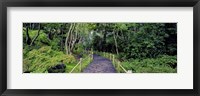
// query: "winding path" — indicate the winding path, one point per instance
point(100, 65)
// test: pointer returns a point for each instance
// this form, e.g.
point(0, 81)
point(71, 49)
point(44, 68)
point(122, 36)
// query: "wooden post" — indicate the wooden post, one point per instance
point(113, 58)
point(118, 65)
point(107, 55)
point(80, 64)
point(90, 58)
point(129, 71)
point(92, 55)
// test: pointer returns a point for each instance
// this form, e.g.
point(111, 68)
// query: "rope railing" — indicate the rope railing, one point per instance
point(76, 66)
point(116, 63)
point(90, 56)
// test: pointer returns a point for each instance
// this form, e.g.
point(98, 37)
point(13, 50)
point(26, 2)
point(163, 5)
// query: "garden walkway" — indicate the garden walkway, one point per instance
point(100, 65)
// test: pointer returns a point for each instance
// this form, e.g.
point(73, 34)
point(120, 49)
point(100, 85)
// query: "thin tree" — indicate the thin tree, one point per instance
point(68, 38)
point(28, 39)
point(38, 33)
point(116, 43)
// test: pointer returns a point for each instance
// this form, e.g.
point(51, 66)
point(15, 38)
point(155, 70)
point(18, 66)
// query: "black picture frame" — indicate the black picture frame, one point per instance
point(99, 3)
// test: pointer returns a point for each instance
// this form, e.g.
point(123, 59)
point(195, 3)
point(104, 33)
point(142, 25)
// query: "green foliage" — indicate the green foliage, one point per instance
point(79, 49)
point(161, 64)
point(142, 47)
point(39, 61)
point(136, 40)
point(149, 42)
point(43, 40)
point(84, 63)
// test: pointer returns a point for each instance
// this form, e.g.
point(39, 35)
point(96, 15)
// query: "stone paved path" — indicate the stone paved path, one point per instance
point(100, 65)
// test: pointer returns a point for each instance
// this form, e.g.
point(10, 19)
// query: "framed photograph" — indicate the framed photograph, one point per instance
point(105, 47)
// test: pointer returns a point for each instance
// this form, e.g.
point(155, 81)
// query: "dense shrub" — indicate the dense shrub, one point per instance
point(78, 49)
point(161, 64)
point(42, 59)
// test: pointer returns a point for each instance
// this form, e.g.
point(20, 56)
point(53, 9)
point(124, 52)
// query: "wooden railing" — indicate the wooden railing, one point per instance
point(90, 56)
point(116, 62)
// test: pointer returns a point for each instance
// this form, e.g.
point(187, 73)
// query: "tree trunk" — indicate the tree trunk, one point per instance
point(68, 39)
point(38, 33)
point(61, 41)
point(71, 39)
point(28, 39)
point(74, 39)
point(116, 43)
